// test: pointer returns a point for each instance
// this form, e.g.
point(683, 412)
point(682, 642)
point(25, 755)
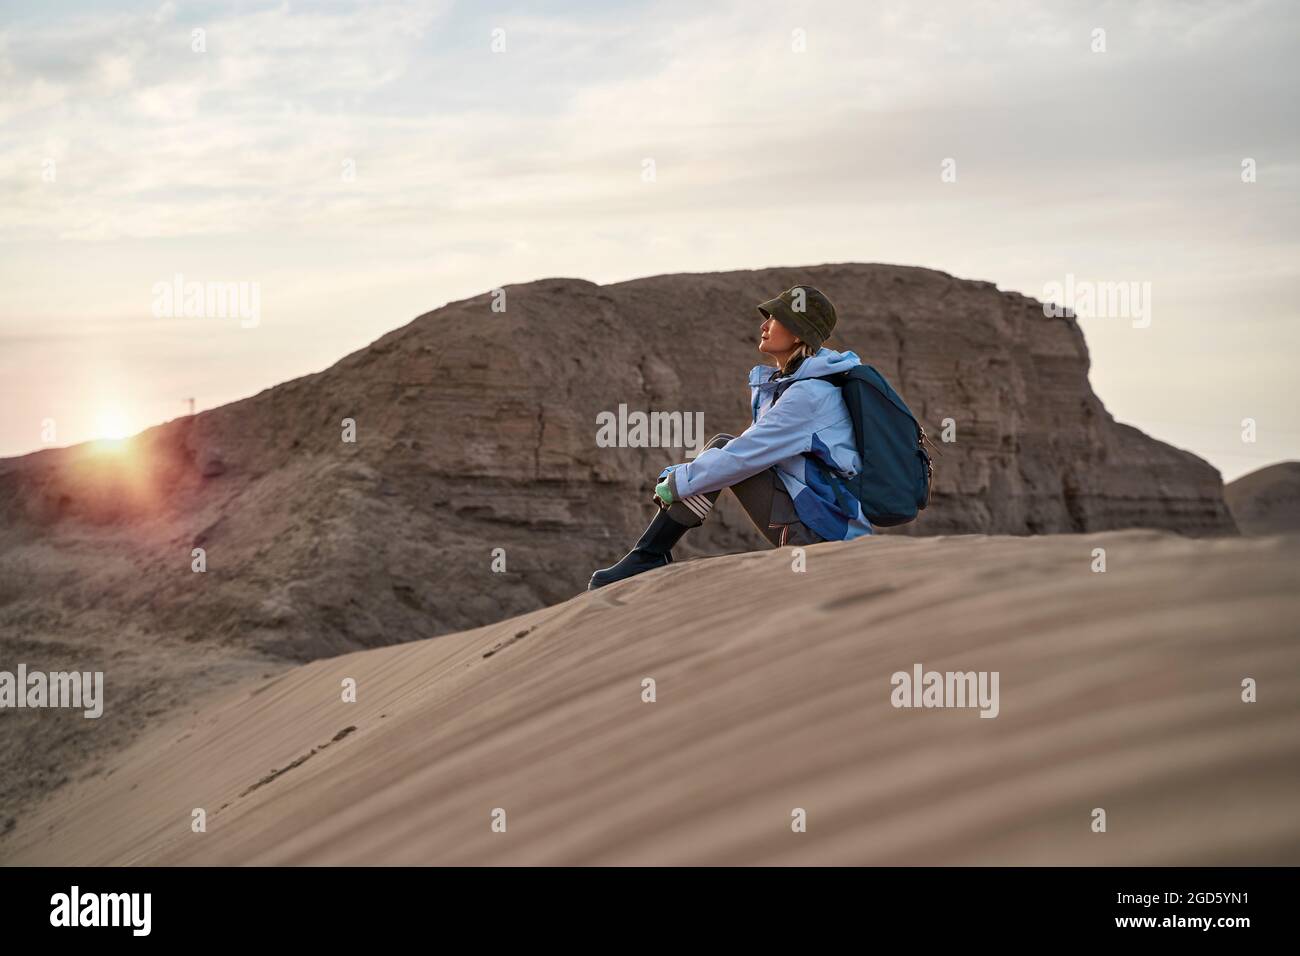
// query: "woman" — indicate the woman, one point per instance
point(785, 468)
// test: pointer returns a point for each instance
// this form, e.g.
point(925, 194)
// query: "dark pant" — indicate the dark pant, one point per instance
point(765, 500)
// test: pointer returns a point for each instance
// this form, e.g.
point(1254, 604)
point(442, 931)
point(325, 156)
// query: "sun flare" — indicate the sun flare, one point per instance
point(111, 424)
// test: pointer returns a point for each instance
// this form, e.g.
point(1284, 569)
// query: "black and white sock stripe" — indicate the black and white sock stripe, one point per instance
point(698, 504)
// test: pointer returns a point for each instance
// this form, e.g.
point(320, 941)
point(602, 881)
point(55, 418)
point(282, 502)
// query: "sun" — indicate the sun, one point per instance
point(111, 424)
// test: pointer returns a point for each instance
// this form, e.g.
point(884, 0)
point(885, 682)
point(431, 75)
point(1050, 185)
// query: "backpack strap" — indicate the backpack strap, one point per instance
point(836, 379)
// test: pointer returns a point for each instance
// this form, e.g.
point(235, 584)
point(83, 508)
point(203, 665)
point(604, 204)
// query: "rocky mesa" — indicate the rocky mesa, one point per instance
point(476, 488)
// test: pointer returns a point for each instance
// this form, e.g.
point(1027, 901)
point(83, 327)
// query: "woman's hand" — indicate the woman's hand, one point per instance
point(662, 491)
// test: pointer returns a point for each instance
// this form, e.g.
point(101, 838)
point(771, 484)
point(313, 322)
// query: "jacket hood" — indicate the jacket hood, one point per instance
point(825, 362)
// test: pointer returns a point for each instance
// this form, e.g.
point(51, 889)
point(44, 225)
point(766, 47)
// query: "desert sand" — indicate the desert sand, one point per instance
point(1119, 690)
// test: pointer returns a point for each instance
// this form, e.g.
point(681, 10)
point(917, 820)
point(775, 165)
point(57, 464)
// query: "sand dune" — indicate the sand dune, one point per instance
point(1119, 690)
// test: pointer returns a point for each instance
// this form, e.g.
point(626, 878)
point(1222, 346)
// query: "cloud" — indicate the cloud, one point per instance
point(386, 147)
point(254, 132)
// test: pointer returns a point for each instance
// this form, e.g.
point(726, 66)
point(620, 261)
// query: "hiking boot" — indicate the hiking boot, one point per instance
point(654, 550)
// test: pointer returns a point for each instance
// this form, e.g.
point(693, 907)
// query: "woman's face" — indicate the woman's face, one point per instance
point(775, 338)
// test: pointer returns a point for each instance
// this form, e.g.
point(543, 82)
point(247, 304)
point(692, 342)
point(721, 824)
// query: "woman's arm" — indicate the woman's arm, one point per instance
point(784, 430)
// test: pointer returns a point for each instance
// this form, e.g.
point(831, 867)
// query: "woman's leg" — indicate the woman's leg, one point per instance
point(655, 547)
point(765, 500)
point(693, 509)
point(763, 496)
point(769, 506)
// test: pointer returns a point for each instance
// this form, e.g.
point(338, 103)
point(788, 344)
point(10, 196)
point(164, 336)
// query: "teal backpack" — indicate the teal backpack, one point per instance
point(894, 483)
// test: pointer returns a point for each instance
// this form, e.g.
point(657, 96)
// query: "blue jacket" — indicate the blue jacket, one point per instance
point(807, 436)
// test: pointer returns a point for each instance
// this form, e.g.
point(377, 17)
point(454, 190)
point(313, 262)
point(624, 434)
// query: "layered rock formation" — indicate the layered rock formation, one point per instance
point(476, 430)
point(1267, 501)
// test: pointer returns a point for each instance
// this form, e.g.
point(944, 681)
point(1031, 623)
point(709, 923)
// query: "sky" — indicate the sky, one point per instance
point(354, 165)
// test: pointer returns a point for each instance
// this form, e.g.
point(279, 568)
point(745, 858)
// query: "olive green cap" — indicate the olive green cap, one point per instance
point(805, 312)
